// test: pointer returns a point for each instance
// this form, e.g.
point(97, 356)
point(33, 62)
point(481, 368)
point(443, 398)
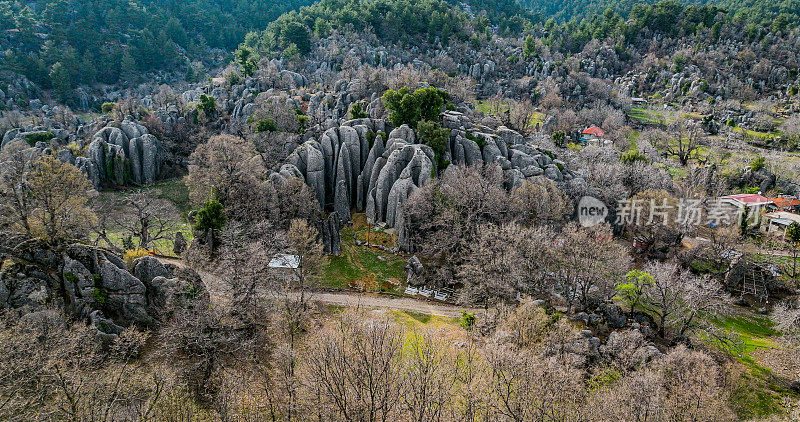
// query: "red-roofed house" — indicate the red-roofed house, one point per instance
point(749, 200)
point(786, 203)
point(594, 131)
point(593, 135)
point(753, 202)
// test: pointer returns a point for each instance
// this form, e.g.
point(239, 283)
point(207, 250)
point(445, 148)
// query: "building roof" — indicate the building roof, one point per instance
point(782, 221)
point(782, 217)
point(750, 199)
point(594, 131)
point(783, 202)
point(283, 260)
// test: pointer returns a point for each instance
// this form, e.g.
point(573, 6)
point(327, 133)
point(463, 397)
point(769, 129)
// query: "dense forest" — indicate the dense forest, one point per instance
point(751, 11)
point(65, 43)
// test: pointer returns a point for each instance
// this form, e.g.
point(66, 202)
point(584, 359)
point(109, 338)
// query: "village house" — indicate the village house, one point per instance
point(776, 223)
point(754, 203)
point(594, 135)
point(786, 203)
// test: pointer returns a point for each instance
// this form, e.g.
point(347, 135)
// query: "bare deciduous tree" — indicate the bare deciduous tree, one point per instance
point(677, 299)
point(146, 217)
point(527, 386)
point(588, 260)
point(354, 370)
point(683, 143)
point(540, 201)
point(503, 261)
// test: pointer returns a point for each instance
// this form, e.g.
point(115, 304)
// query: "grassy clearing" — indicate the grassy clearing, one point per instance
point(362, 267)
point(492, 107)
point(756, 392)
point(161, 246)
point(751, 332)
point(175, 191)
point(648, 116)
point(756, 134)
point(410, 319)
point(692, 116)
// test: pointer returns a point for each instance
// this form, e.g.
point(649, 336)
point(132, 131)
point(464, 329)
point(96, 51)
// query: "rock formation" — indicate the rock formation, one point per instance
point(89, 280)
point(352, 167)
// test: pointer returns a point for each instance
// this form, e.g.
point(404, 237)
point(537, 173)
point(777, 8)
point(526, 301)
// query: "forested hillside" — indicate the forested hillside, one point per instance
point(399, 210)
point(750, 11)
point(64, 43)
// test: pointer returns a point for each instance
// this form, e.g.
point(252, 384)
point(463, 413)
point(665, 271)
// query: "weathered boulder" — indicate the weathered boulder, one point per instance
point(147, 268)
point(179, 244)
point(491, 152)
point(89, 168)
point(341, 203)
point(552, 172)
point(330, 235)
point(400, 191)
point(65, 156)
point(414, 272)
point(403, 133)
point(510, 137)
point(132, 129)
point(472, 152)
point(315, 170)
point(78, 285)
point(151, 159)
point(123, 293)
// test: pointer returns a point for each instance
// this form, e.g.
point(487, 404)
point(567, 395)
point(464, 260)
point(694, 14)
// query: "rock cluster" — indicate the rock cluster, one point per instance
point(97, 286)
point(121, 155)
point(519, 159)
point(358, 166)
point(352, 167)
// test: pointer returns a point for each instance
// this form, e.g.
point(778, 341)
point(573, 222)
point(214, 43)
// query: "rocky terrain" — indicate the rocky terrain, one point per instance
point(401, 210)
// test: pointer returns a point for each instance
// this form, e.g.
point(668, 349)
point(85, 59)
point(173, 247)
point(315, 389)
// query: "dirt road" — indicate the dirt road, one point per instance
point(349, 299)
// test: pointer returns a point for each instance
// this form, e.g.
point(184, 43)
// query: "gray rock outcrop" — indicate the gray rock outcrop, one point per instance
point(353, 167)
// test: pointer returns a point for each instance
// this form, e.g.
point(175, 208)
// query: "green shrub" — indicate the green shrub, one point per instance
point(357, 111)
point(302, 120)
point(34, 138)
point(210, 217)
point(758, 163)
point(632, 156)
point(107, 107)
point(208, 104)
point(99, 296)
point(410, 108)
point(436, 137)
point(266, 125)
point(559, 138)
point(76, 149)
point(467, 320)
point(477, 139)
